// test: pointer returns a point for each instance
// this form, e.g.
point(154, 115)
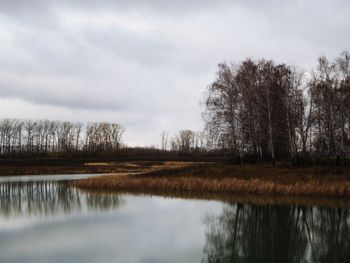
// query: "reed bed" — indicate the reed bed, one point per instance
point(228, 179)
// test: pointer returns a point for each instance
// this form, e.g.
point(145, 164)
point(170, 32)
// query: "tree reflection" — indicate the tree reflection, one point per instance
point(49, 198)
point(251, 233)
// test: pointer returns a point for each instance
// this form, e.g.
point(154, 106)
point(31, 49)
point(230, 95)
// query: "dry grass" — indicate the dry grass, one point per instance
point(227, 179)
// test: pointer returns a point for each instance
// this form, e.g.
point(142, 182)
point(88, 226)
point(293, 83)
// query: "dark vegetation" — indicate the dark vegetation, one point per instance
point(42, 138)
point(75, 166)
point(264, 111)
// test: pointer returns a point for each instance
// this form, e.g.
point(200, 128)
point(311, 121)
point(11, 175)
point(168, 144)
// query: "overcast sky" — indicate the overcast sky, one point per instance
point(146, 63)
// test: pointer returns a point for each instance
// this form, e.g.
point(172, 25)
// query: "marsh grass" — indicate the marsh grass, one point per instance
point(205, 178)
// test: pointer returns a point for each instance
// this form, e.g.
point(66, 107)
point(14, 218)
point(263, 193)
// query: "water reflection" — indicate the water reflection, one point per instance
point(251, 233)
point(43, 198)
point(165, 228)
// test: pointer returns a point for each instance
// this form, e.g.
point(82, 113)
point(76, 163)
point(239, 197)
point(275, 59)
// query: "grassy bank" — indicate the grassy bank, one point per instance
point(195, 179)
point(200, 178)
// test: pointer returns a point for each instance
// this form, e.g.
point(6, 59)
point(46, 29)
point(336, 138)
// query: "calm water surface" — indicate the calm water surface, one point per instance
point(42, 219)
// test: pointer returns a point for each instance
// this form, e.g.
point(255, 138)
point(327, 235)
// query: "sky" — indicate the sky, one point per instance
point(147, 64)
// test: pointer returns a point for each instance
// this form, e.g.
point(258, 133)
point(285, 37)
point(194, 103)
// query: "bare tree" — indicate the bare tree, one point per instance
point(44, 137)
point(164, 140)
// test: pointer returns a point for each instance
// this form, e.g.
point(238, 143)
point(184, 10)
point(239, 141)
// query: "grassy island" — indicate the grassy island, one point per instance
point(218, 178)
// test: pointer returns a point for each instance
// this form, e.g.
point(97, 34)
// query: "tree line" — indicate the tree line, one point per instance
point(268, 111)
point(45, 137)
point(187, 141)
point(256, 110)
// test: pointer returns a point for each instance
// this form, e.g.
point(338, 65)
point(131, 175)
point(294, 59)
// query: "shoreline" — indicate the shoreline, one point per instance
point(220, 179)
point(203, 180)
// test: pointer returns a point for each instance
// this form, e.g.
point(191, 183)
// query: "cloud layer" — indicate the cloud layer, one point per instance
point(146, 64)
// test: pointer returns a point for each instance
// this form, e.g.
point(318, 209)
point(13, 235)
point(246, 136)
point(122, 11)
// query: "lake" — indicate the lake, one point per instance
point(43, 219)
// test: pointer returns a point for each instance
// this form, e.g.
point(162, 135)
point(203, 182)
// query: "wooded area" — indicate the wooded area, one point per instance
point(268, 111)
point(44, 137)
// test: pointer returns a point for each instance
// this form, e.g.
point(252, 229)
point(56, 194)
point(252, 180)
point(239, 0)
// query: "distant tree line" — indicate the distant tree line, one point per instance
point(188, 141)
point(45, 137)
point(268, 111)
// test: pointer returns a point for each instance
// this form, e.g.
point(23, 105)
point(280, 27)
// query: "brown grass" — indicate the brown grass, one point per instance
point(228, 179)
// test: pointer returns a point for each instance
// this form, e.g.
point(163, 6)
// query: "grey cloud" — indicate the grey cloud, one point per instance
point(179, 7)
point(78, 94)
point(144, 49)
point(155, 75)
point(57, 94)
